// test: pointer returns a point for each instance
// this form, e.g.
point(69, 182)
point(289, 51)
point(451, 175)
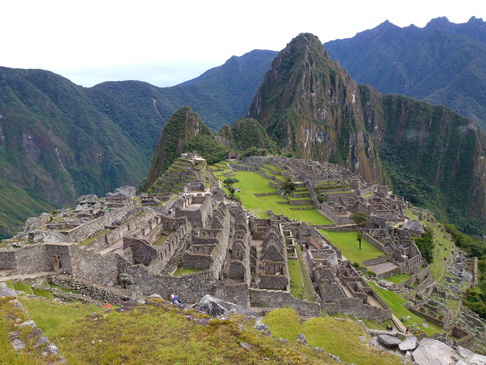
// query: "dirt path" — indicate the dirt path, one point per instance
point(26, 276)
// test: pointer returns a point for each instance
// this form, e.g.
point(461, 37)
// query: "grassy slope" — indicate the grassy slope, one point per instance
point(162, 334)
point(395, 302)
point(338, 337)
point(348, 244)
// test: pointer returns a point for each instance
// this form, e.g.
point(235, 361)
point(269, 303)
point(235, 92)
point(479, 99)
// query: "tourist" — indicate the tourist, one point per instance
point(174, 299)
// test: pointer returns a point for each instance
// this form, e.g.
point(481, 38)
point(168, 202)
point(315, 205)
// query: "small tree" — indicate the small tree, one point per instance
point(230, 181)
point(288, 186)
point(360, 219)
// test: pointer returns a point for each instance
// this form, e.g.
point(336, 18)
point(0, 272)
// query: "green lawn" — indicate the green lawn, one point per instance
point(296, 285)
point(395, 302)
point(251, 182)
point(185, 270)
point(397, 279)
point(348, 244)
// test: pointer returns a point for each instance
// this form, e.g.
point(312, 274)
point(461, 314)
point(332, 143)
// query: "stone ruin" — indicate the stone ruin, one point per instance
point(124, 246)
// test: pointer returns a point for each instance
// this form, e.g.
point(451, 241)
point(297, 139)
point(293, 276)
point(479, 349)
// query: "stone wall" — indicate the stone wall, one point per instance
point(189, 287)
point(237, 293)
point(89, 289)
point(90, 228)
point(89, 265)
point(374, 242)
point(261, 297)
point(59, 257)
point(356, 307)
point(375, 261)
point(32, 259)
point(196, 261)
point(277, 282)
point(8, 260)
point(142, 251)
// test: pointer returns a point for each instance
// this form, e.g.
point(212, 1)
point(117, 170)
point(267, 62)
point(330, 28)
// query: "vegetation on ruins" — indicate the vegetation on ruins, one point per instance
point(360, 219)
point(475, 298)
point(425, 243)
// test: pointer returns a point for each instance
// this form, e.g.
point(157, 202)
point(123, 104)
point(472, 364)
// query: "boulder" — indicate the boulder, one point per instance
point(301, 338)
point(433, 352)
point(50, 350)
point(29, 323)
point(211, 306)
point(18, 345)
point(6, 291)
point(389, 341)
point(477, 359)
point(87, 199)
point(465, 353)
point(216, 307)
point(410, 343)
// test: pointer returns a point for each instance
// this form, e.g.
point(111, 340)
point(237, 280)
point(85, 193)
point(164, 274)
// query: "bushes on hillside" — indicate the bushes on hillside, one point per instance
point(425, 244)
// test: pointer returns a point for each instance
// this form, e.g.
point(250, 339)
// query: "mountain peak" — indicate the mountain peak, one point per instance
point(183, 126)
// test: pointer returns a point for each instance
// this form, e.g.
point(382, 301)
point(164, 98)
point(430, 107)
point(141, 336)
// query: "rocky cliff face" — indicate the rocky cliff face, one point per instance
point(312, 108)
point(429, 154)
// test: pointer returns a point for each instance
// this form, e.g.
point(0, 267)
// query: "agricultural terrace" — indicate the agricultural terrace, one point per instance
point(251, 182)
point(395, 302)
point(348, 244)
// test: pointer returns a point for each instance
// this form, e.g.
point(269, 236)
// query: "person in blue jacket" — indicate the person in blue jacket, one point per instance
point(174, 299)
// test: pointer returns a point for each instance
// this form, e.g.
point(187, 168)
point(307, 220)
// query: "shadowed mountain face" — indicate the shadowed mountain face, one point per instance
point(59, 140)
point(54, 145)
point(431, 155)
point(442, 63)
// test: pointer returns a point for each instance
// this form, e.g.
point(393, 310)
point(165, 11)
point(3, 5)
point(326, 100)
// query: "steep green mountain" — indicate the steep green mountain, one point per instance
point(59, 140)
point(442, 63)
point(220, 96)
point(310, 106)
point(246, 134)
point(56, 145)
point(183, 132)
point(431, 155)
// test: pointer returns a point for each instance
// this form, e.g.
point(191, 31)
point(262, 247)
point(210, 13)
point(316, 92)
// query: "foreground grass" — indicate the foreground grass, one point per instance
point(162, 334)
point(336, 336)
point(7, 354)
point(348, 244)
point(51, 316)
point(395, 302)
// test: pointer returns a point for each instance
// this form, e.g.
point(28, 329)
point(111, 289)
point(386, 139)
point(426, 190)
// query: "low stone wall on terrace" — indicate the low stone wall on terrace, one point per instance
point(275, 298)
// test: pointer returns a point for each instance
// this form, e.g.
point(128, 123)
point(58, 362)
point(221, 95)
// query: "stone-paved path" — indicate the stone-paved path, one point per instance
point(26, 276)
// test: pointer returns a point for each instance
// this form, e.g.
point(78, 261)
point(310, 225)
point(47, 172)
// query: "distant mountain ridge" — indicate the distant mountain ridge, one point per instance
point(442, 63)
point(430, 154)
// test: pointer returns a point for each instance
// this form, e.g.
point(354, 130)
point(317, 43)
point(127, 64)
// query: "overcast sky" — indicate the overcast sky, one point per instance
point(168, 42)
